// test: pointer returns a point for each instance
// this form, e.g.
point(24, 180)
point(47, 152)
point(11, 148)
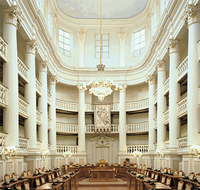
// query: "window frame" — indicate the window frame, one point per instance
point(66, 38)
point(137, 41)
point(106, 41)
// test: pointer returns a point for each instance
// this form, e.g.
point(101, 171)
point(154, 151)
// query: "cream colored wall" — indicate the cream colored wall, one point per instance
point(136, 118)
point(66, 140)
point(137, 140)
point(67, 118)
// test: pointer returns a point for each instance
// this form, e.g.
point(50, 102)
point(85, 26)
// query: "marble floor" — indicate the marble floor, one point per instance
point(88, 185)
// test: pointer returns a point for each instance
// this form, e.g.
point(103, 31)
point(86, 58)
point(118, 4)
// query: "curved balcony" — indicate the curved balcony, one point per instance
point(22, 69)
point(137, 105)
point(115, 106)
point(64, 148)
point(3, 49)
point(3, 96)
point(66, 128)
point(141, 148)
point(23, 144)
point(23, 108)
point(91, 129)
point(67, 106)
point(182, 143)
point(138, 127)
point(182, 107)
point(182, 68)
point(38, 117)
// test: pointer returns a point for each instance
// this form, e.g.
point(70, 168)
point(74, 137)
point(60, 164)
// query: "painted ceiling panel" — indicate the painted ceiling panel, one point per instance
point(111, 9)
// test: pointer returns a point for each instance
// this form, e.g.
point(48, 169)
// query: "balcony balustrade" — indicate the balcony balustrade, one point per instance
point(39, 146)
point(38, 117)
point(166, 86)
point(137, 105)
point(91, 129)
point(23, 108)
point(166, 117)
point(182, 107)
point(22, 69)
point(166, 144)
point(140, 148)
point(115, 106)
point(3, 49)
point(66, 127)
point(3, 96)
point(155, 146)
point(23, 144)
point(64, 148)
point(68, 106)
point(138, 127)
point(2, 140)
point(89, 107)
point(182, 143)
point(182, 68)
point(38, 87)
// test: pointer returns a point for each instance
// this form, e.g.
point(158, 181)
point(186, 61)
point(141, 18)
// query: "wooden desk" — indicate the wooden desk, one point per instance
point(195, 184)
point(31, 179)
point(13, 184)
point(49, 186)
point(157, 185)
point(103, 174)
point(104, 164)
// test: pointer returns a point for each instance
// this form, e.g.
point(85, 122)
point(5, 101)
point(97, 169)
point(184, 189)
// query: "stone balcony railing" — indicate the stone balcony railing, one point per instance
point(137, 127)
point(38, 117)
point(38, 87)
point(155, 122)
point(155, 146)
point(91, 129)
point(137, 105)
point(39, 146)
point(155, 95)
point(166, 144)
point(182, 107)
point(3, 49)
point(166, 86)
point(166, 117)
point(182, 68)
point(66, 128)
point(182, 143)
point(23, 108)
point(3, 96)
point(141, 148)
point(115, 106)
point(89, 107)
point(2, 140)
point(68, 106)
point(23, 144)
point(49, 97)
point(64, 148)
point(22, 69)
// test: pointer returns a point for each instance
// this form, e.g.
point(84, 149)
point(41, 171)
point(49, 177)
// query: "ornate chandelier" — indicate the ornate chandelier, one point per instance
point(101, 87)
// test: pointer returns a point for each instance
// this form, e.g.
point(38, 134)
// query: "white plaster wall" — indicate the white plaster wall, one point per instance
point(137, 140)
point(137, 92)
point(66, 140)
point(67, 118)
point(136, 118)
point(67, 93)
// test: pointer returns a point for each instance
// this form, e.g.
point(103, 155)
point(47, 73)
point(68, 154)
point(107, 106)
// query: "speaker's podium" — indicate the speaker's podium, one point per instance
point(102, 163)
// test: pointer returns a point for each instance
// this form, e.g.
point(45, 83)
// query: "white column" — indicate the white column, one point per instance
point(30, 95)
point(122, 35)
point(152, 113)
point(43, 129)
point(161, 105)
point(81, 120)
point(53, 114)
point(174, 94)
point(122, 118)
point(81, 36)
point(193, 74)
point(12, 16)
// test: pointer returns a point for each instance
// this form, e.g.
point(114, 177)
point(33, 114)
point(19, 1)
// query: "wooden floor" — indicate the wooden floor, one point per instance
point(118, 185)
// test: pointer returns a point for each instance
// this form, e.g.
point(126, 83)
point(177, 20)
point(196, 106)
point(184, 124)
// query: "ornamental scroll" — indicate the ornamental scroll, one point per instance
point(102, 118)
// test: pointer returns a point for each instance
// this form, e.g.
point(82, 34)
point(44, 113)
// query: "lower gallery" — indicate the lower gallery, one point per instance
point(99, 94)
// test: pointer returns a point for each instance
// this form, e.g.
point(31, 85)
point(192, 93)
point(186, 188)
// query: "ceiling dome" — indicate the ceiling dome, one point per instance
point(111, 9)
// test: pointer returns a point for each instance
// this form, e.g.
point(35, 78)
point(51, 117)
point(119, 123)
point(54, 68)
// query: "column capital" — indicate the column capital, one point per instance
point(53, 80)
point(151, 79)
point(31, 46)
point(122, 35)
point(82, 88)
point(122, 87)
point(81, 35)
point(173, 45)
point(13, 15)
point(191, 14)
point(44, 66)
point(160, 65)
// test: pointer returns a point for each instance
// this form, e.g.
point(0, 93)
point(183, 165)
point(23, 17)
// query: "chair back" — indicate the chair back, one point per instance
point(140, 166)
point(25, 174)
point(147, 174)
point(188, 186)
point(168, 182)
point(165, 170)
point(42, 179)
point(152, 175)
point(198, 175)
point(115, 164)
point(37, 182)
point(7, 178)
point(52, 175)
point(180, 173)
point(26, 185)
point(57, 174)
point(88, 164)
point(39, 170)
point(156, 177)
point(163, 179)
point(102, 161)
point(28, 172)
point(14, 176)
point(176, 172)
point(43, 169)
point(49, 177)
point(180, 185)
point(60, 173)
point(18, 186)
point(135, 165)
point(36, 171)
point(71, 166)
point(191, 175)
point(144, 167)
point(169, 171)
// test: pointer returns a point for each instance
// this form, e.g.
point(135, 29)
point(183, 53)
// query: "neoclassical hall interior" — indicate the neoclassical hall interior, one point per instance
point(51, 104)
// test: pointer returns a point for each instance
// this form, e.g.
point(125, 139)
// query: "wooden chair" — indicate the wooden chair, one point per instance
point(140, 166)
point(7, 178)
point(18, 186)
point(24, 174)
point(163, 179)
point(28, 172)
point(65, 168)
point(43, 169)
point(180, 173)
point(180, 185)
point(152, 175)
point(198, 177)
point(26, 185)
point(168, 182)
point(156, 177)
point(37, 182)
point(71, 166)
point(42, 180)
point(147, 174)
point(88, 164)
point(191, 175)
point(102, 161)
point(14, 176)
point(144, 167)
point(188, 186)
point(115, 164)
point(52, 176)
point(60, 173)
point(135, 165)
point(165, 170)
point(49, 177)
point(169, 171)
point(36, 171)
point(39, 170)
point(176, 172)
point(57, 174)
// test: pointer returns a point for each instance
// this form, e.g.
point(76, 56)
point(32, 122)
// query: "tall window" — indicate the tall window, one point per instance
point(139, 42)
point(64, 43)
point(105, 46)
